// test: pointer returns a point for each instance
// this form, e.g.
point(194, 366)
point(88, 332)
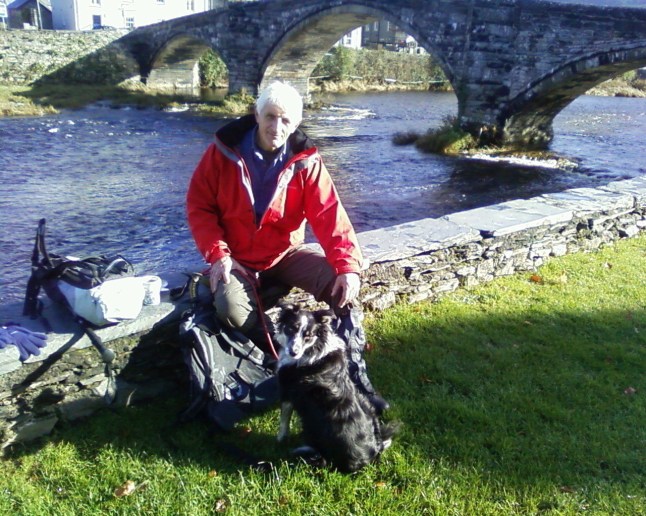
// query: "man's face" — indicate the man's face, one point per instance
point(274, 127)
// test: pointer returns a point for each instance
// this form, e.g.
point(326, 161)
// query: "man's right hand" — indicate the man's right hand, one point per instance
point(221, 271)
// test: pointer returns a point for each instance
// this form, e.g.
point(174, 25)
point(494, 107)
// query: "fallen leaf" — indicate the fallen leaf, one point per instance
point(567, 489)
point(126, 489)
point(607, 265)
point(563, 279)
point(244, 431)
point(213, 473)
point(221, 505)
point(535, 278)
point(630, 391)
point(380, 485)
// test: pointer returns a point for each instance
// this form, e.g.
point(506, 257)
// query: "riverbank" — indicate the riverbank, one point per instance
point(49, 99)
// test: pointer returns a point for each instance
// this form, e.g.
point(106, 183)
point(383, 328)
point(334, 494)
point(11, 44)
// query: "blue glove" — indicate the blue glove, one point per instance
point(28, 342)
point(5, 337)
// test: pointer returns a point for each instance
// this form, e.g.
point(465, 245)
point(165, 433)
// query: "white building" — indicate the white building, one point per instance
point(122, 14)
point(352, 39)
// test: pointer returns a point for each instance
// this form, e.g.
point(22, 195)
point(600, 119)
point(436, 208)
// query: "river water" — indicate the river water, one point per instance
point(114, 180)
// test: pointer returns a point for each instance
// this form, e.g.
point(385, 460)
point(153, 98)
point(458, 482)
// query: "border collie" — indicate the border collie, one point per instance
point(339, 422)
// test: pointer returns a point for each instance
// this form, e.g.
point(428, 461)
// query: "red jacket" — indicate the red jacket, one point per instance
point(221, 215)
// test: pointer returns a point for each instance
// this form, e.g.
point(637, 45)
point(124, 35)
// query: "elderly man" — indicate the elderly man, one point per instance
point(247, 204)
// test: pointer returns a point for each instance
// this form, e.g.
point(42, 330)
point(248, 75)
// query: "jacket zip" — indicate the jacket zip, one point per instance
point(246, 178)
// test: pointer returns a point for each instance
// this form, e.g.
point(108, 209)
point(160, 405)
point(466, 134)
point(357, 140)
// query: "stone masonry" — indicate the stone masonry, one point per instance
point(27, 56)
point(410, 262)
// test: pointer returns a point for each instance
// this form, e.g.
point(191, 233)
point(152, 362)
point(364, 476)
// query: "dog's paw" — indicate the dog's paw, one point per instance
point(309, 456)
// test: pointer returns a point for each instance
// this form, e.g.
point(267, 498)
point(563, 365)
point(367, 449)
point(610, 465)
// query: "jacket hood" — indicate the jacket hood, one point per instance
point(232, 133)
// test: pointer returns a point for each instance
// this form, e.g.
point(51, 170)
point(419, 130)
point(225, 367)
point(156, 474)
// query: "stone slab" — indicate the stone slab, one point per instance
point(413, 238)
point(511, 217)
point(635, 187)
point(588, 201)
point(64, 332)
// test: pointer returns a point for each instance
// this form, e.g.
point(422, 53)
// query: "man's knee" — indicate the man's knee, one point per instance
point(234, 305)
point(232, 314)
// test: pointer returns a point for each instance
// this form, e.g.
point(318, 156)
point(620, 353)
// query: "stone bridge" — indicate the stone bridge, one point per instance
point(513, 64)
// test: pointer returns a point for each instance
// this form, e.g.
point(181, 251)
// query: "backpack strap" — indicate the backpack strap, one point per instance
point(33, 306)
point(107, 355)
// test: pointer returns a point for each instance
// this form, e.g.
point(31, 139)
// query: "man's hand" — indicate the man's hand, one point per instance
point(221, 271)
point(346, 287)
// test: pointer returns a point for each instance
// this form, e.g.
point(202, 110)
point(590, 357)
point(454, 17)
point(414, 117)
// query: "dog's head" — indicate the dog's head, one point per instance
point(300, 330)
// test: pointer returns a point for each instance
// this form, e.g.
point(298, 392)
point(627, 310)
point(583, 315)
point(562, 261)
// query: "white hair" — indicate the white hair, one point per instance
point(284, 96)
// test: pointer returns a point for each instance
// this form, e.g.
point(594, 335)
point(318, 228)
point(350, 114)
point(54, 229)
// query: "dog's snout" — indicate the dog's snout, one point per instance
point(295, 349)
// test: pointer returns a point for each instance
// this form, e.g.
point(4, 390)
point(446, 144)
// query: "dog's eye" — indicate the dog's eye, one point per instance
point(291, 330)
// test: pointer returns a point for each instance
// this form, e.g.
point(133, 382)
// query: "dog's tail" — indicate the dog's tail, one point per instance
point(387, 431)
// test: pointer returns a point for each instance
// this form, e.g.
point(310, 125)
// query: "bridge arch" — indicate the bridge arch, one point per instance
point(295, 55)
point(175, 65)
point(529, 116)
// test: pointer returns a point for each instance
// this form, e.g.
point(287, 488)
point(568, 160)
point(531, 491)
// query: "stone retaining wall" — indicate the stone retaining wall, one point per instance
point(409, 262)
point(89, 57)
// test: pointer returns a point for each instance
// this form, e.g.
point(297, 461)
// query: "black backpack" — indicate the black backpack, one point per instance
point(47, 270)
point(230, 378)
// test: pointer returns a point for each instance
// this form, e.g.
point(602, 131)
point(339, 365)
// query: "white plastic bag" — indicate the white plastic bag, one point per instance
point(113, 301)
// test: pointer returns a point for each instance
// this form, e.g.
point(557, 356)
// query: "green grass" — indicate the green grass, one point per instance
point(523, 396)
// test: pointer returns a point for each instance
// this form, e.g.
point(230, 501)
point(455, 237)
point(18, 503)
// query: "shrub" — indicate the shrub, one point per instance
point(407, 138)
point(374, 66)
point(449, 138)
point(213, 71)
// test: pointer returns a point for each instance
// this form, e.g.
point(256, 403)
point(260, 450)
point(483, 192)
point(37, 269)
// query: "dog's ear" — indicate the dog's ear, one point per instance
point(286, 309)
point(324, 316)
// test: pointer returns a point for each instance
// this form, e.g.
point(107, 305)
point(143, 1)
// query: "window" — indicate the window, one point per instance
point(190, 5)
point(130, 23)
point(161, 2)
point(96, 2)
point(96, 21)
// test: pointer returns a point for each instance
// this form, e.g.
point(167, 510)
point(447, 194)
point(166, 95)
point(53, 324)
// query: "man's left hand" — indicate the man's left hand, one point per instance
point(346, 287)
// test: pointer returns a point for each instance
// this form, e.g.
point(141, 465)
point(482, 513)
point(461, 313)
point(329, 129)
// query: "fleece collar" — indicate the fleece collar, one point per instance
point(232, 133)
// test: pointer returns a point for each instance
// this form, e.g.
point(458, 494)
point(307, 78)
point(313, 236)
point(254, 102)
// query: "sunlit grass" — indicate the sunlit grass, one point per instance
point(522, 396)
point(51, 98)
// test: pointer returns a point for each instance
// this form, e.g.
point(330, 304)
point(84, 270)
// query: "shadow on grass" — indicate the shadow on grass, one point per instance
point(556, 397)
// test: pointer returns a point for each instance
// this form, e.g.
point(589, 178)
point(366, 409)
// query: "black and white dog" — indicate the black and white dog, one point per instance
point(338, 420)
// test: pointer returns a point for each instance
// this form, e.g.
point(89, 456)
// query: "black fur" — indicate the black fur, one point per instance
point(338, 420)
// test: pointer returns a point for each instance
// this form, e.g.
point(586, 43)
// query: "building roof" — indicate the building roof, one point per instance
point(17, 4)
